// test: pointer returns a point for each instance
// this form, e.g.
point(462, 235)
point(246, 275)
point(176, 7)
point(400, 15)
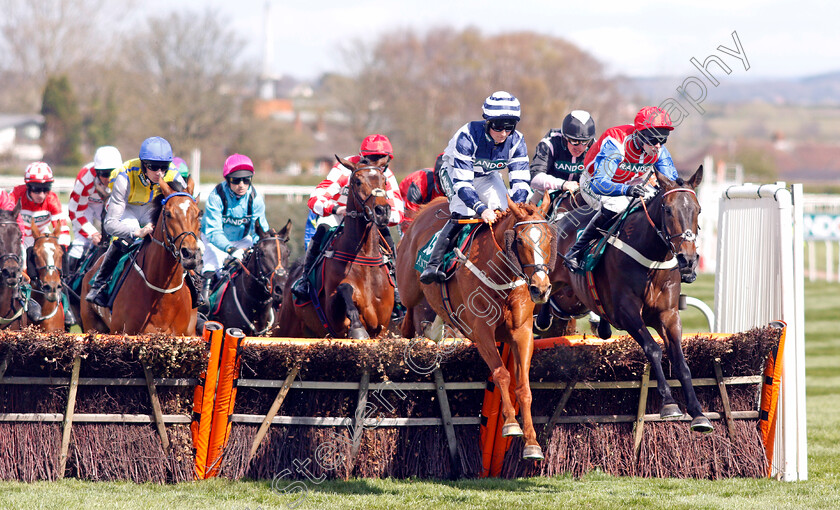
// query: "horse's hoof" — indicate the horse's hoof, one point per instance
point(532, 452)
point(511, 429)
point(359, 334)
point(670, 412)
point(604, 329)
point(702, 424)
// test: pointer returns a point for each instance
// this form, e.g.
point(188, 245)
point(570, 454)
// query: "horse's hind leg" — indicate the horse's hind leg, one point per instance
point(357, 329)
point(670, 329)
point(522, 349)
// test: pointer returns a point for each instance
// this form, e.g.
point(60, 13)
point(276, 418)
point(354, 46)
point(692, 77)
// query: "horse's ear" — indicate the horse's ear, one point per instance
point(546, 204)
point(664, 182)
point(346, 164)
point(285, 232)
point(16, 210)
point(697, 178)
point(190, 185)
point(165, 188)
point(36, 232)
point(259, 230)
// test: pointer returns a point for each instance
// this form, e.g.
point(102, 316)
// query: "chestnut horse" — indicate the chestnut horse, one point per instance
point(491, 295)
point(357, 294)
point(637, 281)
point(12, 314)
point(154, 296)
point(43, 265)
point(257, 288)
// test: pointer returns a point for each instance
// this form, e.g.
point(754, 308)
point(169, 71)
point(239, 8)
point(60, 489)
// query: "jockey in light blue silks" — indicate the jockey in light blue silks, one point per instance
point(470, 174)
point(228, 227)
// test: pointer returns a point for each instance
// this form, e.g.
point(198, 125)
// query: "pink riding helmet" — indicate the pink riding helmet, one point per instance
point(238, 165)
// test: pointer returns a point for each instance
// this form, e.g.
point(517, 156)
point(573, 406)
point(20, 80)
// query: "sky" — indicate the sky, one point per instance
point(638, 38)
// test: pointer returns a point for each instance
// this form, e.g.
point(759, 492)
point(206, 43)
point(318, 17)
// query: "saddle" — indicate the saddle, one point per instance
point(450, 262)
point(121, 271)
point(595, 250)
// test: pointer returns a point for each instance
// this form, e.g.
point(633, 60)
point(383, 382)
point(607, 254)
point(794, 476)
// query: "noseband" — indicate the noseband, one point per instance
point(169, 243)
point(368, 215)
point(266, 280)
point(687, 235)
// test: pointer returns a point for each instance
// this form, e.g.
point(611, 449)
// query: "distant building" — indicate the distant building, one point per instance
point(20, 137)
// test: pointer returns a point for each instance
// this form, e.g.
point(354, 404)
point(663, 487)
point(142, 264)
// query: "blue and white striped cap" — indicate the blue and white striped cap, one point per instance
point(501, 104)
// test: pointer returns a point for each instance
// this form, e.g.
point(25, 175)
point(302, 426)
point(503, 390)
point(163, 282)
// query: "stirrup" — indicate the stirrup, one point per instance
point(300, 289)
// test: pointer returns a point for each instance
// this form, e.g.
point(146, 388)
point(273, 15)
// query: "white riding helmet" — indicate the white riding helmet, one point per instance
point(106, 158)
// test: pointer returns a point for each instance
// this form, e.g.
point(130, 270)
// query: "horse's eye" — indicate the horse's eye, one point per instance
point(667, 209)
point(167, 213)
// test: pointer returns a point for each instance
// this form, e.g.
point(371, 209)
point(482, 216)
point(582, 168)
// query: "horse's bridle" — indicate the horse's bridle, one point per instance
point(518, 239)
point(266, 279)
point(368, 215)
point(168, 242)
point(687, 235)
point(12, 256)
point(36, 278)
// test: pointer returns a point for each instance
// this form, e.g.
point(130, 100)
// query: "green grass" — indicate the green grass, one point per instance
point(595, 490)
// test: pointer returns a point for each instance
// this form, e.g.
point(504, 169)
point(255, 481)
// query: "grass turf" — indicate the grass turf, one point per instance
point(595, 490)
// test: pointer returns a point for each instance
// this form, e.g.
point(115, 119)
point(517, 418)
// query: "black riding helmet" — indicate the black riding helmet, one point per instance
point(579, 125)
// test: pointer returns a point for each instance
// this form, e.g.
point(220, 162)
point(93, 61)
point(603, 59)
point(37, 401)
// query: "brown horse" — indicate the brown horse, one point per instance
point(154, 296)
point(637, 282)
point(12, 314)
point(257, 288)
point(43, 265)
point(357, 294)
point(491, 296)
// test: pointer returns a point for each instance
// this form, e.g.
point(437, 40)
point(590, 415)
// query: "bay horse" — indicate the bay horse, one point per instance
point(637, 282)
point(12, 314)
point(357, 294)
point(256, 289)
point(44, 267)
point(154, 296)
point(491, 295)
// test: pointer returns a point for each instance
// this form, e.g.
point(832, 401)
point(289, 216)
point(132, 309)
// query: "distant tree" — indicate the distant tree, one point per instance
point(759, 163)
point(182, 78)
point(42, 38)
point(418, 88)
point(62, 132)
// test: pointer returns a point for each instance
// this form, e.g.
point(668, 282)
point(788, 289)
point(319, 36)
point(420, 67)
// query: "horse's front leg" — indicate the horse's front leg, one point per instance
point(356, 330)
point(629, 318)
point(484, 338)
point(670, 329)
point(522, 350)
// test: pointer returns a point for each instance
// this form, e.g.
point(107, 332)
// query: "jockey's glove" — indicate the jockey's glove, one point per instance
point(237, 254)
point(635, 190)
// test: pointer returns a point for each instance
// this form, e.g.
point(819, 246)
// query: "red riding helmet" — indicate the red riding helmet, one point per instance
point(38, 172)
point(376, 144)
point(652, 117)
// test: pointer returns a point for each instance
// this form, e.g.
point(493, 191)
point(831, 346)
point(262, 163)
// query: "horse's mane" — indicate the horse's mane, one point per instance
point(157, 203)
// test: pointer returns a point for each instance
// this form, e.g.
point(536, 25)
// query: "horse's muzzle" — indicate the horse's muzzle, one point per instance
point(688, 267)
point(189, 257)
point(10, 276)
point(539, 288)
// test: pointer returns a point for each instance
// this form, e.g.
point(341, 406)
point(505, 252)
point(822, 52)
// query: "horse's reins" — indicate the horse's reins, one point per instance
point(279, 270)
point(168, 244)
point(687, 235)
point(368, 216)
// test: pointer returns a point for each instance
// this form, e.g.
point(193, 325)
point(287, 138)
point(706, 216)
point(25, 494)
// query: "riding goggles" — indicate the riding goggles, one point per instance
point(653, 136)
point(239, 180)
point(156, 166)
point(575, 143)
point(39, 188)
point(502, 125)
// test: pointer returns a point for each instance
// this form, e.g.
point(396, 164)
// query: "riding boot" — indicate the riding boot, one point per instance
point(194, 282)
point(300, 288)
point(97, 294)
point(433, 273)
point(69, 317)
point(33, 310)
point(399, 310)
point(204, 298)
point(573, 258)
